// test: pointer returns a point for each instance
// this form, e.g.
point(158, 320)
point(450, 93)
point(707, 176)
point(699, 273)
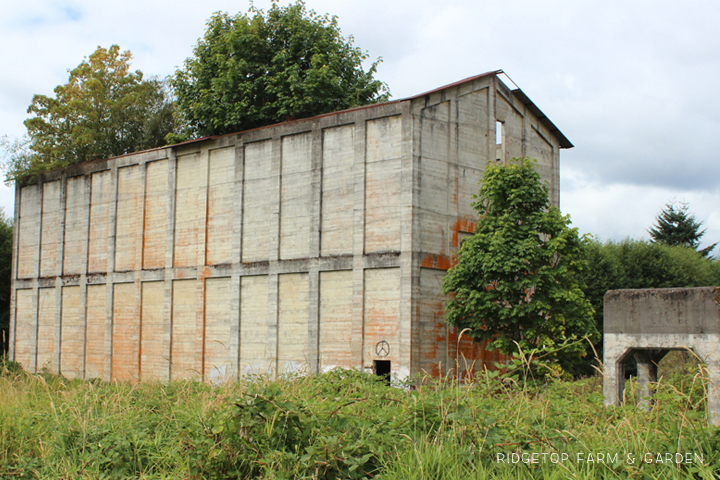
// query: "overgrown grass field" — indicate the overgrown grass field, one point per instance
point(346, 424)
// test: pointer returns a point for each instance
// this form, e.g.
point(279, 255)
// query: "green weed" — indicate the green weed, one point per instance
point(347, 424)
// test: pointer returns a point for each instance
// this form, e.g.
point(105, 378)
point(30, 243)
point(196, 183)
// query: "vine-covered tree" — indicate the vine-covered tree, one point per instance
point(516, 279)
point(102, 111)
point(261, 68)
point(676, 226)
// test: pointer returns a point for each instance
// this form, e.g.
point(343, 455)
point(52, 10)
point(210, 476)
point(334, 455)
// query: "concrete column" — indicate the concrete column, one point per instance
point(169, 255)
point(110, 276)
point(139, 252)
point(313, 346)
point(711, 358)
point(58, 271)
point(613, 380)
point(33, 367)
point(406, 248)
point(713, 401)
point(647, 373)
point(235, 340)
point(272, 325)
point(87, 200)
point(274, 256)
point(36, 283)
point(358, 233)
point(491, 92)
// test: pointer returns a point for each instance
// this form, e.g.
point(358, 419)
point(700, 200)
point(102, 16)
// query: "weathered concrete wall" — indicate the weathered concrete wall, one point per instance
point(647, 323)
point(454, 139)
point(296, 246)
point(336, 289)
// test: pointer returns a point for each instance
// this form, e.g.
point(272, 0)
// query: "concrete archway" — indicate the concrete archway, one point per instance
point(648, 323)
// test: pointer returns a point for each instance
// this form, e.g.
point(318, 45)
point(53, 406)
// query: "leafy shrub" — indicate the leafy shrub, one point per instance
point(343, 424)
point(339, 425)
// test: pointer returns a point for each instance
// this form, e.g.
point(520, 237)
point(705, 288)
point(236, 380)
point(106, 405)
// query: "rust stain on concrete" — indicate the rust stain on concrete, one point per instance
point(441, 262)
point(462, 225)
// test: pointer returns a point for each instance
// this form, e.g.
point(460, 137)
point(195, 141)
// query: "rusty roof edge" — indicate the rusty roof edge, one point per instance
point(353, 109)
point(289, 122)
point(456, 84)
point(564, 142)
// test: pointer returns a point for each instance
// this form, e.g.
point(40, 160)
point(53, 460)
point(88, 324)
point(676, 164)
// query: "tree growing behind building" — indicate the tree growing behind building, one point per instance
point(516, 282)
point(260, 68)
point(676, 226)
point(641, 264)
point(104, 110)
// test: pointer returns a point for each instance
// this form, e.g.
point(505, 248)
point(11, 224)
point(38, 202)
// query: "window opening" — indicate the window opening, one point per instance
point(462, 236)
point(499, 141)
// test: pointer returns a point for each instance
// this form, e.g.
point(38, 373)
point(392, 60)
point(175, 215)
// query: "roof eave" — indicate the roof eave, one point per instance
point(564, 142)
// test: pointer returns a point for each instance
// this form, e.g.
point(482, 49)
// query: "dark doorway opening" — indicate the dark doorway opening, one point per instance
point(382, 369)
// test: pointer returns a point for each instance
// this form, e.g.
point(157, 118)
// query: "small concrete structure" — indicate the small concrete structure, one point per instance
point(647, 324)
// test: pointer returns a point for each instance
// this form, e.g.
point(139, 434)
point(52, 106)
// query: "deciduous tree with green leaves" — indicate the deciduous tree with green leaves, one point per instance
point(260, 68)
point(641, 264)
point(516, 279)
point(102, 111)
point(676, 226)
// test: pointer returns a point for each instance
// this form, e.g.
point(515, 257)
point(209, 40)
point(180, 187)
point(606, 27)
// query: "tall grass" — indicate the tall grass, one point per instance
point(345, 424)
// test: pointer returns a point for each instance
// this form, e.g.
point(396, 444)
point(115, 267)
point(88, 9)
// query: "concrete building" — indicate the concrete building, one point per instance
point(310, 244)
point(646, 324)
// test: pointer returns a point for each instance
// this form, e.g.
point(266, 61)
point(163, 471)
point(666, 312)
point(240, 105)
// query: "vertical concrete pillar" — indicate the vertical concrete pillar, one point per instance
point(110, 275)
point(711, 358)
point(646, 374)
point(272, 325)
point(492, 117)
point(202, 271)
point(236, 256)
point(316, 156)
point(87, 200)
point(713, 400)
point(60, 259)
point(274, 255)
point(139, 247)
point(358, 249)
point(36, 283)
point(407, 273)
point(169, 256)
point(613, 380)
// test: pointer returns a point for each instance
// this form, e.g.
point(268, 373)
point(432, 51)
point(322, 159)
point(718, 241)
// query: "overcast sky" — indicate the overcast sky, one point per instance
point(632, 84)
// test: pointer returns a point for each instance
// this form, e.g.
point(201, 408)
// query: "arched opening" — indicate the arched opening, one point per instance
point(644, 366)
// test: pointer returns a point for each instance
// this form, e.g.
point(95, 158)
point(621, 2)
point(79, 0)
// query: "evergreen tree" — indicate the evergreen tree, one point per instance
point(676, 226)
